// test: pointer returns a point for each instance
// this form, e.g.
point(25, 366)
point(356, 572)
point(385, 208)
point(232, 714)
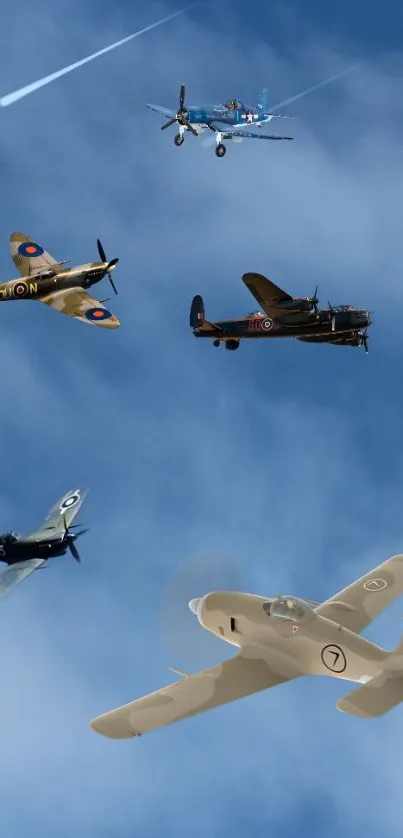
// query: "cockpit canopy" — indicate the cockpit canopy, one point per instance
point(287, 608)
point(9, 537)
point(234, 105)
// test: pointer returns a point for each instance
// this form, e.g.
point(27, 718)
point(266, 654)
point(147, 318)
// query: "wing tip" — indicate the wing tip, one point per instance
point(346, 706)
point(106, 726)
point(250, 275)
point(18, 236)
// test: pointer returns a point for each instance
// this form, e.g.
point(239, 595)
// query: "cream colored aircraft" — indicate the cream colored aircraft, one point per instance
point(278, 640)
point(46, 280)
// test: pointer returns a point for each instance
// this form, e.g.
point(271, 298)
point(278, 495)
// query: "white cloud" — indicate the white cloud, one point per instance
point(286, 456)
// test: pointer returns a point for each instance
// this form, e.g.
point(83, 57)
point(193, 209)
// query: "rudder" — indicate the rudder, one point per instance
point(196, 312)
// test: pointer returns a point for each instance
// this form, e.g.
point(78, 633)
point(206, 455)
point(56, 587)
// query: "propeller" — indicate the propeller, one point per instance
point(333, 316)
point(187, 643)
point(182, 116)
point(70, 538)
point(110, 264)
point(314, 300)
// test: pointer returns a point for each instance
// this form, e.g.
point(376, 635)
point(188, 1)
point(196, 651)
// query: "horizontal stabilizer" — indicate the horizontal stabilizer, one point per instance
point(374, 699)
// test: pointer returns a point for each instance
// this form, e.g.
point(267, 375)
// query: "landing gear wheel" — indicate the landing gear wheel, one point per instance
point(216, 342)
point(220, 150)
point(179, 140)
point(232, 344)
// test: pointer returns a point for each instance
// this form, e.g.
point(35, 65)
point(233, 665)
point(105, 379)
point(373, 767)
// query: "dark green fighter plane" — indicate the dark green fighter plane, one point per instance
point(284, 316)
point(24, 554)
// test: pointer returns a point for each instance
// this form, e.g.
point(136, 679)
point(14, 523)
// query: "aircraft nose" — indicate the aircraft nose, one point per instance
point(193, 605)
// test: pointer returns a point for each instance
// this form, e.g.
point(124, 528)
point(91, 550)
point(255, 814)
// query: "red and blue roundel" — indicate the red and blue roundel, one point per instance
point(30, 249)
point(97, 314)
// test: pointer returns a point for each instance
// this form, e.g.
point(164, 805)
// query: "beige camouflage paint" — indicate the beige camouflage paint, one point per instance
point(273, 650)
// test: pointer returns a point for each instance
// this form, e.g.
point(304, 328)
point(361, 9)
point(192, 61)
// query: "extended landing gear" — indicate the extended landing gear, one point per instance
point(216, 342)
point(232, 344)
point(179, 139)
point(220, 150)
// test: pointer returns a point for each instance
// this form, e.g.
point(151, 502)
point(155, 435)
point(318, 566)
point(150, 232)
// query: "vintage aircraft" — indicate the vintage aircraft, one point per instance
point(285, 316)
point(24, 554)
point(280, 639)
point(227, 121)
point(46, 280)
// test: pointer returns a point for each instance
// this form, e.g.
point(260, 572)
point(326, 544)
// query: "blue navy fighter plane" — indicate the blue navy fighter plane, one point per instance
point(228, 122)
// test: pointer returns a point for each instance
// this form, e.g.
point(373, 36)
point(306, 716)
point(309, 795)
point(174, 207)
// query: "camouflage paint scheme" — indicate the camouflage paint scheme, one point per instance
point(285, 316)
point(280, 639)
point(46, 280)
point(24, 554)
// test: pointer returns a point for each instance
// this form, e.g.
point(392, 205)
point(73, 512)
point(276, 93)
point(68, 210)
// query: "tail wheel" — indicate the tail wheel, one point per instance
point(220, 150)
point(179, 140)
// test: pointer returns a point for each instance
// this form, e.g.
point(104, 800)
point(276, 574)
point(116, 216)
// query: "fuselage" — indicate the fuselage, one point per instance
point(223, 115)
point(35, 287)
point(15, 549)
point(290, 635)
point(326, 322)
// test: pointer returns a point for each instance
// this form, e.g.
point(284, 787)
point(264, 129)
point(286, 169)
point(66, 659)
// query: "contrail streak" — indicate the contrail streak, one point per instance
point(313, 88)
point(208, 141)
point(30, 88)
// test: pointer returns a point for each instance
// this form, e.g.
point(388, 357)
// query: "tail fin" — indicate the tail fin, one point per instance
point(197, 312)
point(263, 100)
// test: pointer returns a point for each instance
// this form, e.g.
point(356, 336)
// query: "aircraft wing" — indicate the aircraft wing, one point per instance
point(266, 293)
point(338, 339)
point(358, 604)
point(61, 514)
point(75, 302)
point(235, 678)
point(17, 572)
point(167, 112)
point(253, 136)
point(29, 257)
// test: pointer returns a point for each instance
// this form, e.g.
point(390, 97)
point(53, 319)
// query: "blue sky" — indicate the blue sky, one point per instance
point(286, 456)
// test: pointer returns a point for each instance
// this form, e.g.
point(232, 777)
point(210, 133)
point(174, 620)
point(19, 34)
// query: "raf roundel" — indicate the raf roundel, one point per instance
point(20, 289)
point(266, 324)
point(30, 249)
point(69, 502)
point(96, 314)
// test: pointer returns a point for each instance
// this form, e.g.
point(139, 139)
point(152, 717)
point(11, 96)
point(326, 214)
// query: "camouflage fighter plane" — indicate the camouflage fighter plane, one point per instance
point(277, 640)
point(284, 316)
point(24, 554)
point(46, 280)
point(226, 121)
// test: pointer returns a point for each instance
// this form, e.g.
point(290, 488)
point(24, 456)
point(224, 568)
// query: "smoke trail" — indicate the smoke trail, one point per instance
point(313, 88)
point(30, 88)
